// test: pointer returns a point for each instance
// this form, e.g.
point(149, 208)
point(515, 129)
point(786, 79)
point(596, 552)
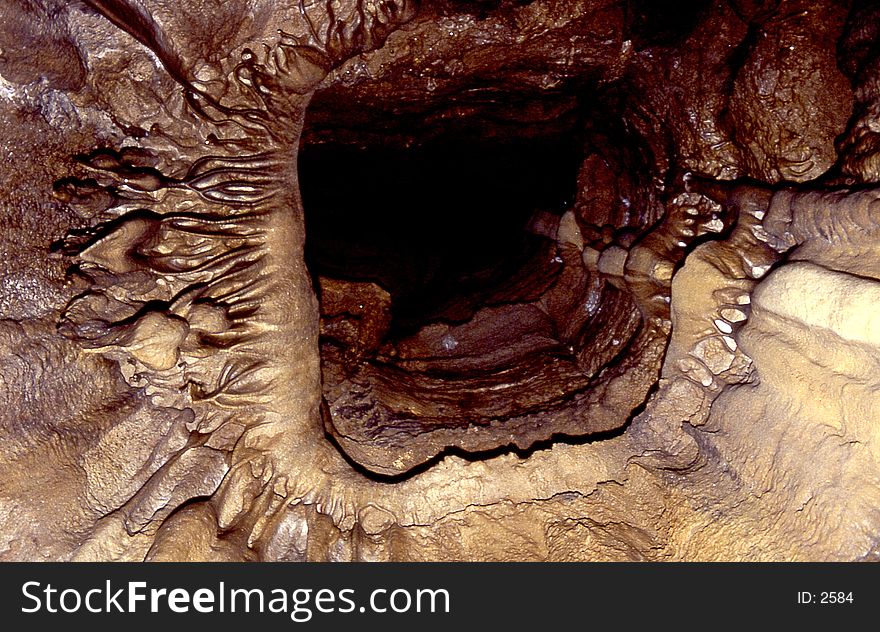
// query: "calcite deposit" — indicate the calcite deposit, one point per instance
point(390, 280)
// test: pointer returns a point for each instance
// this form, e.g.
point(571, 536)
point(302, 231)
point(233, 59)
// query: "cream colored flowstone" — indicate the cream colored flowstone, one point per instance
point(816, 297)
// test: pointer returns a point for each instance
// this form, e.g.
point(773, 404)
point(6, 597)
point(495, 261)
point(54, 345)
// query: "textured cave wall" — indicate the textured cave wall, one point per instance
point(674, 362)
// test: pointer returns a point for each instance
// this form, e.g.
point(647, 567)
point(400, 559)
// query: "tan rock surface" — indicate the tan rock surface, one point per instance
point(535, 335)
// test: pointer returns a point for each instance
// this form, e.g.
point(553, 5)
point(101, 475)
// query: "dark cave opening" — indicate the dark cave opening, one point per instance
point(434, 224)
point(455, 306)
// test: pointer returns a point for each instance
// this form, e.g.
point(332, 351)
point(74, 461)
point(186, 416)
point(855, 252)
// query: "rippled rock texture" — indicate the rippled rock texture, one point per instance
point(439, 280)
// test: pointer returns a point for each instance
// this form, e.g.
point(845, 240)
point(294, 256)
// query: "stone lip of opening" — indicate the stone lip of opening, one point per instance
point(391, 421)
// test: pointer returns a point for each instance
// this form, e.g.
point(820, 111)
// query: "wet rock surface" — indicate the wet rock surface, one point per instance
point(439, 280)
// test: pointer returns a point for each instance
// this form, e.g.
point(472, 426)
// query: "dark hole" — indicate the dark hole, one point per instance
point(431, 224)
point(654, 23)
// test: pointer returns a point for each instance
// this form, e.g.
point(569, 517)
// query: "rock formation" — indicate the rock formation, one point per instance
point(439, 280)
